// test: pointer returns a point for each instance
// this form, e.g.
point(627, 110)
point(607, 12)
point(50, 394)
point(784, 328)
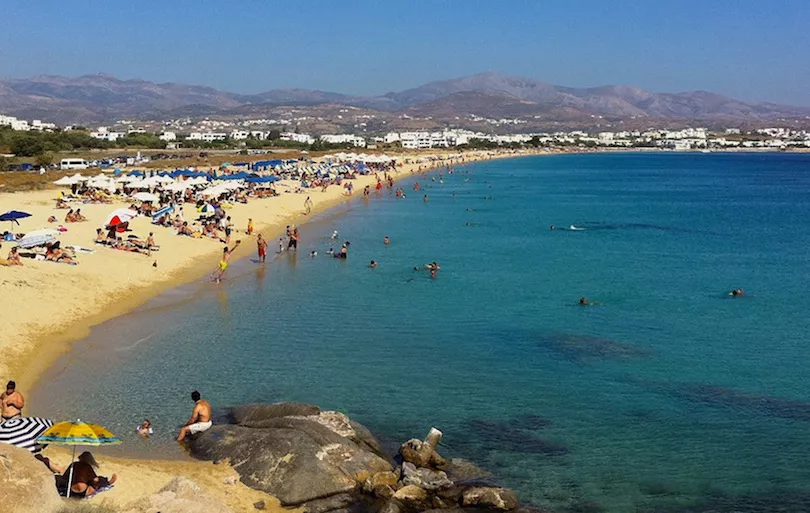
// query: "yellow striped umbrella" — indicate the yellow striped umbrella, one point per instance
point(77, 433)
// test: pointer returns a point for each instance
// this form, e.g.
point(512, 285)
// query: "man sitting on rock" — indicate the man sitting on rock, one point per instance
point(200, 419)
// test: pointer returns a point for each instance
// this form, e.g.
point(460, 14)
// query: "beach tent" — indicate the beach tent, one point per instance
point(23, 432)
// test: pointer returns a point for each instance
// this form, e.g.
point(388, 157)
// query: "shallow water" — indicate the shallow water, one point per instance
point(666, 395)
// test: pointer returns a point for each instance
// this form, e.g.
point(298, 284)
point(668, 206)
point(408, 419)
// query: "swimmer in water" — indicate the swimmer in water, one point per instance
point(386, 240)
point(736, 293)
point(433, 267)
point(583, 301)
point(551, 227)
point(372, 264)
point(425, 198)
point(334, 235)
point(331, 251)
point(313, 254)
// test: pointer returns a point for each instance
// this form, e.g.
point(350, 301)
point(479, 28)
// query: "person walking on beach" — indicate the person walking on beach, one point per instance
point(224, 261)
point(308, 205)
point(250, 226)
point(200, 419)
point(262, 248)
point(11, 402)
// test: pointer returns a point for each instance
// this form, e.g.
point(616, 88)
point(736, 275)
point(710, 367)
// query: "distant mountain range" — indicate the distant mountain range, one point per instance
point(103, 98)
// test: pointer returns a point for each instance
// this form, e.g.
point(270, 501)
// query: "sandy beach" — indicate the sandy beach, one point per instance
point(49, 305)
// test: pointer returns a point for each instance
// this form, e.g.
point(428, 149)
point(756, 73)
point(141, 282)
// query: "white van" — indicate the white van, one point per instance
point(73, 164)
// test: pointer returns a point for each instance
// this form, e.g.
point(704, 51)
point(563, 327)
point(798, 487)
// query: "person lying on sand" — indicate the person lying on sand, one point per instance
point(55, 254)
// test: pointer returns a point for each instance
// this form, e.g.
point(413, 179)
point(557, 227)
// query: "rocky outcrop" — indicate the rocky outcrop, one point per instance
point(296, 452)
point(181, 495)
point(323, 461)
point(25, 484)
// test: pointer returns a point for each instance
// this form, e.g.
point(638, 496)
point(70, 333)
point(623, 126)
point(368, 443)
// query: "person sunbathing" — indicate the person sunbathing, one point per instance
point(55, 254)
point(14, 257)
point(85, 482)
point(70, 217)
point(78, 217)
point(127, 246)
point(185, 229)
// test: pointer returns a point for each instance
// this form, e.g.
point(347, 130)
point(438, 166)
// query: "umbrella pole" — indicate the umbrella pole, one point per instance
point(70, 476)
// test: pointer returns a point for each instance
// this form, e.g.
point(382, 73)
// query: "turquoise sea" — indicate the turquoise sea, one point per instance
point(667, 395)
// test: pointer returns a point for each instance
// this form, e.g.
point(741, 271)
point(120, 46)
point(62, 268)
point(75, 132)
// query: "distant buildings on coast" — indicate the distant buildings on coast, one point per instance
point(179, 132)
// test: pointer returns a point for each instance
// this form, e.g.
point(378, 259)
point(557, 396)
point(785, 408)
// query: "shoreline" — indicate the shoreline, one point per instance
point(34, 346)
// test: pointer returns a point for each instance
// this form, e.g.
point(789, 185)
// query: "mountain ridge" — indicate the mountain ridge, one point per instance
point(103, 97)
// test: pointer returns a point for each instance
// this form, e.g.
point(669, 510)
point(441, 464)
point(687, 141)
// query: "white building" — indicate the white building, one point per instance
point(104, 134)
point(207, 136)
point(354, 140)
point(168, 136)
point(239, 135)
point(300, 138)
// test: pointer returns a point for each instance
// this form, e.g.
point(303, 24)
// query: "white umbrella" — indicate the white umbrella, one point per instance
point(177, 187)
point(146, 196)
point(141, 184)
point(79, 178)
point(163, 179)
point(65, 180)
point(42, 232)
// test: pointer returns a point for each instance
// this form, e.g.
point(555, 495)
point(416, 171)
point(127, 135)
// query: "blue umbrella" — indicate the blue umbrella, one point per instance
point(13, 216)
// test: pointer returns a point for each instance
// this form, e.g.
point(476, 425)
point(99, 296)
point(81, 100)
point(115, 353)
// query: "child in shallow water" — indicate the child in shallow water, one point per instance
point(145, 429)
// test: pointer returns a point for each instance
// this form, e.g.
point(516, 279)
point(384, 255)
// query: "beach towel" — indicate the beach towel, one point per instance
point(100, 490)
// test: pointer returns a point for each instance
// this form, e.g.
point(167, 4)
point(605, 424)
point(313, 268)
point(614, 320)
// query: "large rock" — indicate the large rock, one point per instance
point(460, 470)
point(254, 415)
point(297, 459)
point(181, 495)
point(490, 497)
point(420, 454)
point(26, 485)
point(428, 479)
point(412, 497)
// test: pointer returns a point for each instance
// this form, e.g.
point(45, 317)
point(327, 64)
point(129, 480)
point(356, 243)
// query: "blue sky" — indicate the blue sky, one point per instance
point(752, 50)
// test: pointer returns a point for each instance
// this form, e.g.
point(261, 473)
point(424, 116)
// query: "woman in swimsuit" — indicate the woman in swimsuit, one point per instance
point(11, 402)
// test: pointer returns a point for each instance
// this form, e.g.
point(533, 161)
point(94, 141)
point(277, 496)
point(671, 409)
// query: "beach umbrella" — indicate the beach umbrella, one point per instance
point(207, 210)
point(163, 211)
point(77, 433)
point(23, 432)
point(177, 187)
point(119, 217)
point(13, 216)
point(43, 232)
point(163, 179)
point(146, 196)
point(65, 180)
point(32, 241)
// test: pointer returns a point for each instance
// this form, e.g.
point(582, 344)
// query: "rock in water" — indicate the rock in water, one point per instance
point(420, 454)
point(26, 485)
point(494, 498)
point(425, 478)
point(298, 459)
point(254, 415)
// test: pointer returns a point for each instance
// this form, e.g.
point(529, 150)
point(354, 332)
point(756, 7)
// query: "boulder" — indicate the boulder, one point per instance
point(490, 497)
point(412, 497)
point(460, 470)
point(420, 454)
point(180, 495)
point(253, 415)
point(26, 484)
point(387, 478)
point(295, 459)
point(424, 478)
